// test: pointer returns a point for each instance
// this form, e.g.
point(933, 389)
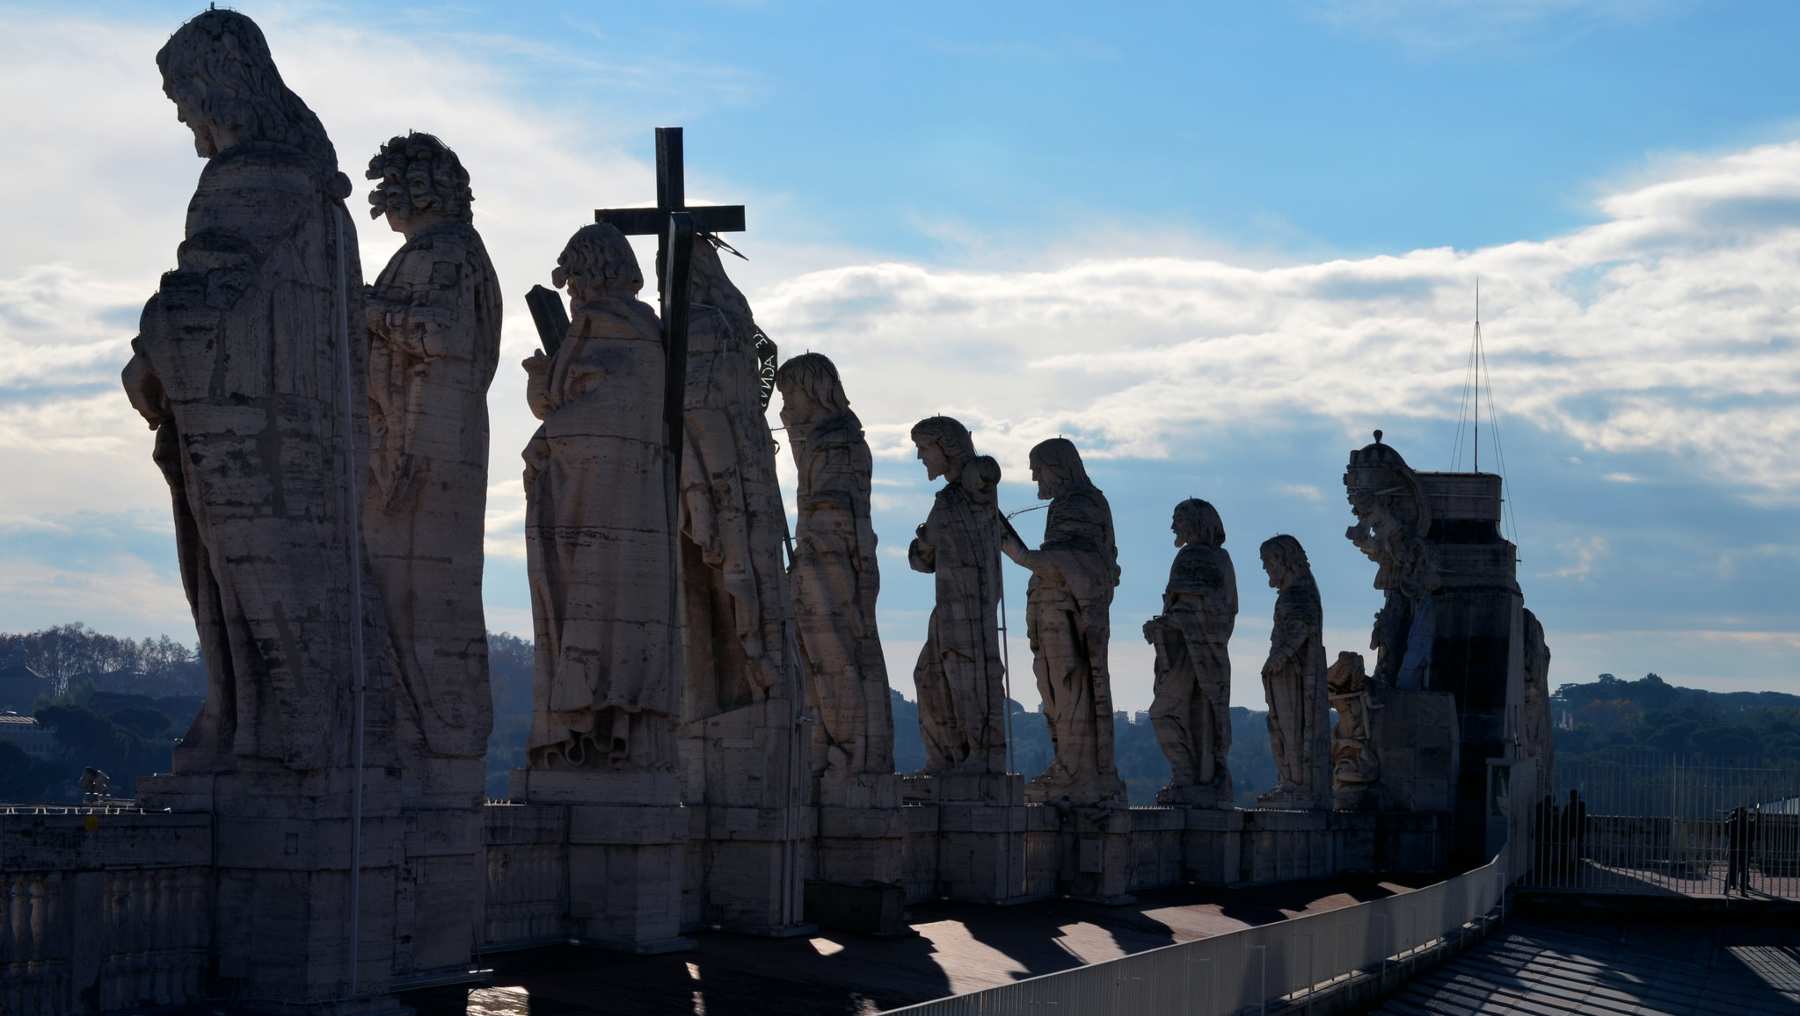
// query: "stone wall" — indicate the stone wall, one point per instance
point(103, 910)
point(527, 876)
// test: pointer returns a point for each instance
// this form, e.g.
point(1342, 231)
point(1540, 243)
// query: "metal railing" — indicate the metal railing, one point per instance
point(1250, 968)
point(1660, 825)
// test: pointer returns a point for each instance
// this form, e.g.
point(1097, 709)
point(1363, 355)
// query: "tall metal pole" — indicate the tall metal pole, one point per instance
point(1478, 373)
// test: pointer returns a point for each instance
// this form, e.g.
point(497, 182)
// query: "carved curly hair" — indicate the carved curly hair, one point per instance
point(218, 67)
point(599, 252)
point(449, 192)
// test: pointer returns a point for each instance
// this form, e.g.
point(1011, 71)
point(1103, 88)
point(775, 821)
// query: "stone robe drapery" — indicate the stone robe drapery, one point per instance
point(733, 525)
point(597, 548)
point(959, 677)
point(434, 342)
point(1191, 710)
point(836, 579)
point(1294, 684)
point(1068, 604)
point(247, 352)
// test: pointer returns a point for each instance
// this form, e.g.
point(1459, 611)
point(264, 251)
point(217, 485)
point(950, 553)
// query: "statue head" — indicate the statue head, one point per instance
point(944, 446)
point(810, 388)
point(1057, 468)
point(422, 183)
point(218, 71)
point(1284, 560)
point(1392, 514)
point(597, 263)
point(980, 478)
point(1196, 523)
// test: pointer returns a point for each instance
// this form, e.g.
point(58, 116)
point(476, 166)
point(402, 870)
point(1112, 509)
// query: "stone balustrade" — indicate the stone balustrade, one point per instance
point(103, 909)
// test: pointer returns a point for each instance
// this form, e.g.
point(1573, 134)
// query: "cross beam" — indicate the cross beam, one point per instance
point(674, 225)
point(671, 196)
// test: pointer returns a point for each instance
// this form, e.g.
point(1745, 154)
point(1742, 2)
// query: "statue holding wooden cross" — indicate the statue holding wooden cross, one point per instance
point(661, 463)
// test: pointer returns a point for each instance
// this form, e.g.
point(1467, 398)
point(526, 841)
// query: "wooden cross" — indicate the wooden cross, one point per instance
point(674, 225)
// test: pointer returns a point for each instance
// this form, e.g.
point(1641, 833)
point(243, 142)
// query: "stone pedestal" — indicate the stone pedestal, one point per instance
point(1096, 853)
point(286, 844)
point(751, 823)
point(860, 854)
point(1415, 738)
point(627, 844)
point(984, 829)
point(441, 886)
point(1211, 845)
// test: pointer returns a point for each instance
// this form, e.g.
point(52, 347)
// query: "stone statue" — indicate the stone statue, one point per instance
point(434, 341)
point(1191, 711)
point(1393, 516)
point(836, 576)
point(1068, 620)
point(249, 365)
point(732, 520)
point(959, 676)
point(1355, 765)
point(597, 524)
point(1535, 722)
point(1294, 679)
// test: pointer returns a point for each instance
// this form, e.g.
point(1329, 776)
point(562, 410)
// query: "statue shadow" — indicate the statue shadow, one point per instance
point(1257, 905)
point(1059, 934)
point(723, 975)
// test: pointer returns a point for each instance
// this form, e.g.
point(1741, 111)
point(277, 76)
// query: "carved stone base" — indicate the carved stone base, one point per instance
point(861, 850)
point(751, 824)
point(288, 847)
point(627, 844)
point(1096, 854)
point(975, 788)
point(1195, 795)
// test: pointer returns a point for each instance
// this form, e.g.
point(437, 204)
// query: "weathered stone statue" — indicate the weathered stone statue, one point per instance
point(1537, 733)
point(250, 366)
point(1355, 766)
point(836, 576)
point(1191, 711)
point(597, 524)
point(1068, 620)
point(959, 676)
point(1294, 680)
point(1393, 516)
point(434, 341)
point(732, 520)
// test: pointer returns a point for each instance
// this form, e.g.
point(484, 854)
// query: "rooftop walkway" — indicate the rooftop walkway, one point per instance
point(1616, 966)
point(957, 948)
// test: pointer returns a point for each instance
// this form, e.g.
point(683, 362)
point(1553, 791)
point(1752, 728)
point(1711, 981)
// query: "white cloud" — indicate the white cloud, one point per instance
point(1583, 553)
point(1667, 329)
point(1303, 491)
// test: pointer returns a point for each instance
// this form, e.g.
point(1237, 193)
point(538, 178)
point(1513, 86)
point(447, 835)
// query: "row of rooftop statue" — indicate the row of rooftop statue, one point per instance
point(326, 446)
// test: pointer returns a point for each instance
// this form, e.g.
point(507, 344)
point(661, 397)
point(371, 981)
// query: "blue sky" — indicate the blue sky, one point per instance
point(1215, 246)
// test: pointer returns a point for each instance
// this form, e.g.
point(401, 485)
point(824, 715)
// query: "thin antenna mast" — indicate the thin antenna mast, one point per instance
point(1478, 375)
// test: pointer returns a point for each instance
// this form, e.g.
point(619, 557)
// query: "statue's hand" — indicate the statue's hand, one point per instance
point(1153, 629)
point(145, 391)
point(537, 383)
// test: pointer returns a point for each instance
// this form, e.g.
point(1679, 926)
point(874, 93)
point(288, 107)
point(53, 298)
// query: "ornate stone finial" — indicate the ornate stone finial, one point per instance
point(1378, 435)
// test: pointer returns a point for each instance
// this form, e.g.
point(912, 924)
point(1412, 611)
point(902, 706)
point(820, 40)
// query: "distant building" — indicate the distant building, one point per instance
point(1141, 716)
point(28, 735)
point(20, 686)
